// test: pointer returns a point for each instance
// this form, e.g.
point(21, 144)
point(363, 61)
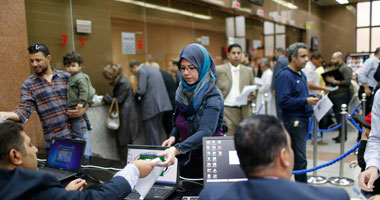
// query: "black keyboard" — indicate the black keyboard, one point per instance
point(190, 198)
point(60, 174)
point(156, 192)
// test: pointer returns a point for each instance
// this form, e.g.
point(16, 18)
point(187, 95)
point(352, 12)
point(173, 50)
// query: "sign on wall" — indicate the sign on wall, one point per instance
point(128, 43)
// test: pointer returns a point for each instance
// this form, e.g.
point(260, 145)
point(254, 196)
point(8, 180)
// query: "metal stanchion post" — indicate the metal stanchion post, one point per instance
point(315, 179)
point(364, 102)
point(266, 95)
point(253, 108)
point(342, 181)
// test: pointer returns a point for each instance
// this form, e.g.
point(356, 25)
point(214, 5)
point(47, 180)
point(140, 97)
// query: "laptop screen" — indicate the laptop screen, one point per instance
point(66, 154)
point(136, 152)
point(220, 160)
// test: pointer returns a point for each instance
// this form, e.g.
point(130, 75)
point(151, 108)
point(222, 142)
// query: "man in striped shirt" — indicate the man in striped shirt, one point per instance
point(46, 91)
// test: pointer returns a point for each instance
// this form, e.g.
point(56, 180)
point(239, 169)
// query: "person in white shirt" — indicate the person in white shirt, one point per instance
point(367, 80)
point(312, 76)
point(266, 88)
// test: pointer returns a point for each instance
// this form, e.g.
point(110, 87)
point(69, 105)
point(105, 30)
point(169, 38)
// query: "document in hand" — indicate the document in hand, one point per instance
point(322, 107)
point(144, 184)
point(259, 82)
point(243, 98)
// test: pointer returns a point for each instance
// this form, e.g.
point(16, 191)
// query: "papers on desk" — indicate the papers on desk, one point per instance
point(322, 107)
point(144, 184)
point(243, 98)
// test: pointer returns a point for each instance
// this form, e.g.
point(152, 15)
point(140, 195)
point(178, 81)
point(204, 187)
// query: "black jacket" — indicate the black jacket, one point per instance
point(26, 184)
point(129, 120)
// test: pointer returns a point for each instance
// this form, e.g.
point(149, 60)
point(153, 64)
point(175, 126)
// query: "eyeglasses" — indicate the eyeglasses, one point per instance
point(190, 68)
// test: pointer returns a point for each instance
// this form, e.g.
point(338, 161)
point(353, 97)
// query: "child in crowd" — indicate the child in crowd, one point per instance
point(79, 90)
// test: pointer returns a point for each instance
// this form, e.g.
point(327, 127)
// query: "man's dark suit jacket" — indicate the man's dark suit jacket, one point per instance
point(26, 184)
point(268, 189)
point(151, 88)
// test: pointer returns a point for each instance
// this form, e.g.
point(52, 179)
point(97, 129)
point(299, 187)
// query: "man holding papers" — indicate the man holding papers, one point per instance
point(295, 104)
point(231, 78)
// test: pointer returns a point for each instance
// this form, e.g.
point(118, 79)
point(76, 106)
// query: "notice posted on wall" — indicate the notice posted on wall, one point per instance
point(128, 43)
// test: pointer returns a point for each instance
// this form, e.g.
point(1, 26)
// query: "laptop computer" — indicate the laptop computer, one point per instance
point(166, 183)
point(64, 158)
point(220, 161)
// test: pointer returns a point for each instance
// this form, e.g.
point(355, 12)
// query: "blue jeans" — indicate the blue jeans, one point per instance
point(298, 132)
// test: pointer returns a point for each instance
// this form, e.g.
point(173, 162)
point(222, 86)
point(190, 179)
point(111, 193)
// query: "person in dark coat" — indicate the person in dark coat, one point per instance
point(19, 178)
point(153, 98)
point(199, 111)
point(122, 90)
point(171, 87)
point(264, 149)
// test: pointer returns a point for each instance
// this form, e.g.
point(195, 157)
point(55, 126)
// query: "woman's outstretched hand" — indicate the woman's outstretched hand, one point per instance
point(169, 154)
point(169, 142)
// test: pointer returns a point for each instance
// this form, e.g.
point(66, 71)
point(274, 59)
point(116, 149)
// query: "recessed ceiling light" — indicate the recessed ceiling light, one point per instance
point(167, 9)
point(342, 1)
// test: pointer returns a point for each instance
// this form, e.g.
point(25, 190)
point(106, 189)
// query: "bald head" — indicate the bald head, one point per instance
point(337, 58)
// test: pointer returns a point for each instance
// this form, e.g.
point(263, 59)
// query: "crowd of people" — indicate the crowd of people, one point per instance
point(200, 101)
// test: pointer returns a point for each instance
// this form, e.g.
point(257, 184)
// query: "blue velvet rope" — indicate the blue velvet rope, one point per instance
point(335, 160)
point(329, 163)
point(310, 128)
point(340, 124)
point(259, 110)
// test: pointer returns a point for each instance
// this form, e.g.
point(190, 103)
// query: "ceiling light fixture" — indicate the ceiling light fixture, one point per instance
point(342, 1)
point(167, 9)
point(286, 4)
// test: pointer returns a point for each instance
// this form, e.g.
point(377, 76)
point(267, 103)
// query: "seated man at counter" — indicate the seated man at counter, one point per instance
point(19, 178)
point(268, 171)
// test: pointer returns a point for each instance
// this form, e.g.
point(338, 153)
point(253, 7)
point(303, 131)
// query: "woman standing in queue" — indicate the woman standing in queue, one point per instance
point(199, 111)
point(129, 124)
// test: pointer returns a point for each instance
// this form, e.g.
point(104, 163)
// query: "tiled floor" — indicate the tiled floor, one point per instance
point(327, 153)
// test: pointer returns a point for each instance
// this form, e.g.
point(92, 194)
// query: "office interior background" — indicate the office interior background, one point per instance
point(117, 31)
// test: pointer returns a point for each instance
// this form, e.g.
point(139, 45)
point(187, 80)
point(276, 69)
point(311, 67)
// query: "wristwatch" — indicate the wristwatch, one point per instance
point(334, 82)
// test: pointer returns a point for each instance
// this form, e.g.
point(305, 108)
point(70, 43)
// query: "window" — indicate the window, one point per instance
point(367, 26)
point(274, 37)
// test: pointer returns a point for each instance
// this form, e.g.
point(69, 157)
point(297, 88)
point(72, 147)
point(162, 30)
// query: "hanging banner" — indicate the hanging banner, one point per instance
point(128, 43)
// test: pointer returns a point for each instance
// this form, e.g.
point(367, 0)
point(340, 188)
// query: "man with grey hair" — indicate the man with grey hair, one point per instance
point(295, 104)
point(344, 92)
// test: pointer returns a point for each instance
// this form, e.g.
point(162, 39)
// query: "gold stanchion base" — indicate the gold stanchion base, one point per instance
point(316, 180)
point(341, 181)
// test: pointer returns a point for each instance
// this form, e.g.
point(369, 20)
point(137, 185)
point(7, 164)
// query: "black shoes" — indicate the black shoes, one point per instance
point(338, 140)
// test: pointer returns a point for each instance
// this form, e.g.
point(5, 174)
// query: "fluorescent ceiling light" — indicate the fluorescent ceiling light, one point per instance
point(286, 4)
point(342, 1)
point(167, 9)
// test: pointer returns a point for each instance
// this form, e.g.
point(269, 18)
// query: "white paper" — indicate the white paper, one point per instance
point(243, 98)
point(259, 81)
point(128, 43)
point(322, 107)
point(333, 88)
point(144, 184)
point(3, 119)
